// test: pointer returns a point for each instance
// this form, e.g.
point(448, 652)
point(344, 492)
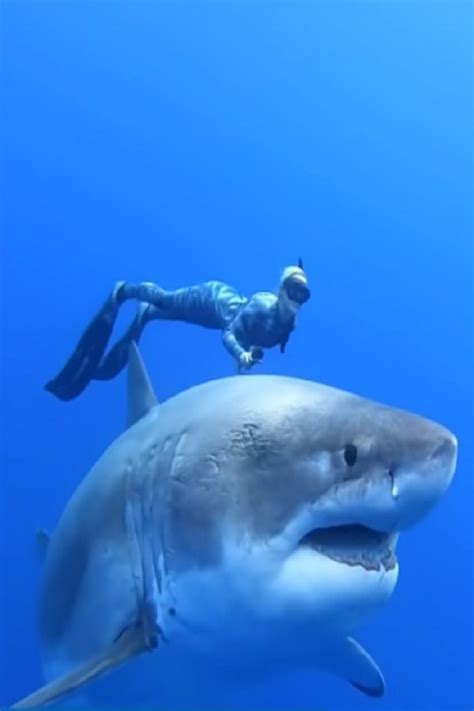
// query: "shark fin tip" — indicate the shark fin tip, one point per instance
point(141, 396)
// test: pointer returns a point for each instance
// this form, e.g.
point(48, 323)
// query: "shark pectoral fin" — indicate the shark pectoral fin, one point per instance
point(350, 661)
point(131, 643)
point(141, 396)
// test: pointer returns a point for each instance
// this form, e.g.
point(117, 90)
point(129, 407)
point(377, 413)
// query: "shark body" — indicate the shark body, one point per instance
point(243, 528)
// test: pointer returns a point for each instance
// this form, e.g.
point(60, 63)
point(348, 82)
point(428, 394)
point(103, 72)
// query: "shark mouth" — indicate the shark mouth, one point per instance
point(354, 545)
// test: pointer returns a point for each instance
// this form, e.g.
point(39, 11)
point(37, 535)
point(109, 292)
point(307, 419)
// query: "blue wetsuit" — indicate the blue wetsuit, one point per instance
point(245, 323)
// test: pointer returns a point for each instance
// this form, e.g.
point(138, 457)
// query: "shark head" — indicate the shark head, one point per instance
point(322, 484)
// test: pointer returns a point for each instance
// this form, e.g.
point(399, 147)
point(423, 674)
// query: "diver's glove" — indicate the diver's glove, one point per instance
point(251, 357)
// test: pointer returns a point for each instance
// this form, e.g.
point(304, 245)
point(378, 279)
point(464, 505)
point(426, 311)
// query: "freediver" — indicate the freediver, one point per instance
point(248, 325)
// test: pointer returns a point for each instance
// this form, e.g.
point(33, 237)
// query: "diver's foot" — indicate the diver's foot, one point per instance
point(140, 318)
point(139, 322)
point(118, 292)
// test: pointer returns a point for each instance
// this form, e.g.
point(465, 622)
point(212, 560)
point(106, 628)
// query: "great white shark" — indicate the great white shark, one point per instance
point(244, 527)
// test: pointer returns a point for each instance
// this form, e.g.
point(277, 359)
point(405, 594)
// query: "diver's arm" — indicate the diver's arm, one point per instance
point(232, 345)
point(245, 358)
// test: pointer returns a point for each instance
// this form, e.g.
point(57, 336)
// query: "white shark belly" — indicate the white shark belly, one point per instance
point(222, 637)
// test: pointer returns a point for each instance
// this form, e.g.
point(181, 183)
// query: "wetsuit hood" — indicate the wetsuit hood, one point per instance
point(294, 284)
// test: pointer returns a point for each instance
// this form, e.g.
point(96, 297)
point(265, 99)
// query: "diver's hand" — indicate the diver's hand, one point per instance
point(246, 360)
point(250, 358)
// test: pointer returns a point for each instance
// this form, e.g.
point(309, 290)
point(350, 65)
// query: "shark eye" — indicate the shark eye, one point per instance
point(350, 455)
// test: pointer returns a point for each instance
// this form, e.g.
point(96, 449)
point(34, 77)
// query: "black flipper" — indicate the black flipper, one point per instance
point(82, 364)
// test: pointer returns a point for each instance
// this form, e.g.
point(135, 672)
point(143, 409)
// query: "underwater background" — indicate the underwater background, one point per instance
point(179, 142)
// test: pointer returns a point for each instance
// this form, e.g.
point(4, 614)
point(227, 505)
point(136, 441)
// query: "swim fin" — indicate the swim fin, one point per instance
point(80, 367)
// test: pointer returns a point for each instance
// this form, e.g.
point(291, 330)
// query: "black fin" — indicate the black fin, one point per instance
point(81, 365)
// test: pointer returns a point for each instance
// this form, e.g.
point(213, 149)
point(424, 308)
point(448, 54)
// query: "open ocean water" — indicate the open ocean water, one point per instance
point(184, 141)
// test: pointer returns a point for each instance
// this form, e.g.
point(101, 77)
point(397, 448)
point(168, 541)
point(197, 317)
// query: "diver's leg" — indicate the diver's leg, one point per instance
point(145, 291)
point(81, 365)
point(160, 305)
point(211, 304)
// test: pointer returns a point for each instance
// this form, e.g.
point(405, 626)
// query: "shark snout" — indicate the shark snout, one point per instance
point(420, 483)
point(445, 452)
point(405, 480)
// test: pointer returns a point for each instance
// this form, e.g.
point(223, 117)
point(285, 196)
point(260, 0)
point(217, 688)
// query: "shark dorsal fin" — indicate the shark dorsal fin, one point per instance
point(141, 396)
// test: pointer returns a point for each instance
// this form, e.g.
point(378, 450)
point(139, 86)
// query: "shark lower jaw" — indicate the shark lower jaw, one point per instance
point(333, 578)
point(354, 545)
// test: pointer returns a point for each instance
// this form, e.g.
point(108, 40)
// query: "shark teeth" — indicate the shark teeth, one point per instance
point(354, 545)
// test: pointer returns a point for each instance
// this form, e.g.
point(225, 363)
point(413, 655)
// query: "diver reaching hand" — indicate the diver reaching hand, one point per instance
point(248, 325)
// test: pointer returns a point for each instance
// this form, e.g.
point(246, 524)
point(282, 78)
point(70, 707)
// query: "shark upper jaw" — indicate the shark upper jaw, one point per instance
point(357, 522)
point(354, 545)
point(342, 537)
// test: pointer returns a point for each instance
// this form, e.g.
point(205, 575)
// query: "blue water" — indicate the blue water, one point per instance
point(179, 142)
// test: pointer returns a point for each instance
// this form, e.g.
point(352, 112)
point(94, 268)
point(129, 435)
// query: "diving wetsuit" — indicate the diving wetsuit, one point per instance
point(246, 325)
